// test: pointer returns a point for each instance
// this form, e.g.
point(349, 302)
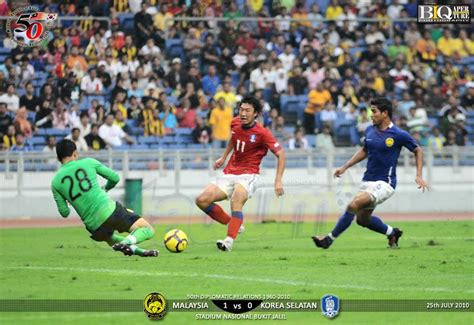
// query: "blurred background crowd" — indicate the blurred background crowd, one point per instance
point(147, 81)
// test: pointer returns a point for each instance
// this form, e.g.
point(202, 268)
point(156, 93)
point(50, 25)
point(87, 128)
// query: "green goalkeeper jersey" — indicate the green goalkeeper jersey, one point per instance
point(76, 183)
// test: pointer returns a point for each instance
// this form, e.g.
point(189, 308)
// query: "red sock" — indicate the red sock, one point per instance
point(215, 212)
point(234, 224)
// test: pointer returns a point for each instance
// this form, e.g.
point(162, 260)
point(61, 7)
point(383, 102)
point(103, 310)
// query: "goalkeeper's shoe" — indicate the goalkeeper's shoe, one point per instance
point(151, 253)
point(225, 245)
point(322, 242)
point(393, 238)
point(124, 248)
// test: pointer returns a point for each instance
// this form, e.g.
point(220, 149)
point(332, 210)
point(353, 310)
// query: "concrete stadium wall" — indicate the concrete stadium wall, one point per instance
point(307, 192)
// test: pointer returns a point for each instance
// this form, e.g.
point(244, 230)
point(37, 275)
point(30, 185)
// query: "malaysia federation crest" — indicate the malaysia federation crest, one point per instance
point(253, 138)
point(330, 306)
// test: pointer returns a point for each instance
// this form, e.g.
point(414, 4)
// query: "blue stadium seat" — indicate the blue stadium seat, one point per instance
point(173, 100)
point(132, 123)
point(176, 146)
point(196, 146)
point(311, 140)
point(194, 165)
point(168, 139)
point(47, 167)
point(138, 131)
point(37, 140)
point(122, 147)
point(139, 147)
point(183, 131)
point(174, 48)
point(138, 166)
point(148, 139)
point(126, 22)
point(58, 132)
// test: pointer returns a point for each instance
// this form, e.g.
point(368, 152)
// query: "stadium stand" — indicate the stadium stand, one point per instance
point(144, 74)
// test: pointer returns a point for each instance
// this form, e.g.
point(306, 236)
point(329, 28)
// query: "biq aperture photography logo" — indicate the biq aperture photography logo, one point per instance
point(28, 26)
point(155, 305)
point(444, 14)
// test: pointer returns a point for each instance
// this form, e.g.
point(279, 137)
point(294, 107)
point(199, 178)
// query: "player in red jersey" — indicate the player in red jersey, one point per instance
point(250, 142)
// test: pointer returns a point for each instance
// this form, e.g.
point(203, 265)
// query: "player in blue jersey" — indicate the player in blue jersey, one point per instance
point(382, 145)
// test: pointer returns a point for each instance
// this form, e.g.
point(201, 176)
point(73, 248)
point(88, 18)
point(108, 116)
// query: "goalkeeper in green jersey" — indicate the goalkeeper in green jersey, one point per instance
point(76, 183)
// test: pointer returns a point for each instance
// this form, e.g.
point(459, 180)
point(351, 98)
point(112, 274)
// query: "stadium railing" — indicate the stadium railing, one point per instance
point(13, 165)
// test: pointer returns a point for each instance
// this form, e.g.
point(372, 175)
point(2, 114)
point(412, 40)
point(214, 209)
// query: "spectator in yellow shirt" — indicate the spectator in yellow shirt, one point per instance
point(334, 10)
point(227, 93)
point(466, 45)
point(220, 121)
point(160, 18)
point(317, 99)
point(448, 45)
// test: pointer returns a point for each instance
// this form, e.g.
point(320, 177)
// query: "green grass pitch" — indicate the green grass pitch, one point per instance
point(435, 261)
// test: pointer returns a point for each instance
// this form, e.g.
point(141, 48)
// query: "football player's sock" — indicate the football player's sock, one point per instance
point(342, 224)
point(376, 224)
point(137, 250)
point(117, 238)
point(217, 213)
point(138, 235)
point(234, 224)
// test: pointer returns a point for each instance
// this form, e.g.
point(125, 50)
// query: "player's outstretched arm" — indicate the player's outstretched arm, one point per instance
point(360, 155)
point(220, 162)
point(61, 203)
point(279, 173)
point(110, 175)
point(419, 169)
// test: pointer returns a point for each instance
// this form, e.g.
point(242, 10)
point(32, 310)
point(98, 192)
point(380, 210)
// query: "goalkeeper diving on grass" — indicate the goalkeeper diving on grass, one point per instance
point(76, 183)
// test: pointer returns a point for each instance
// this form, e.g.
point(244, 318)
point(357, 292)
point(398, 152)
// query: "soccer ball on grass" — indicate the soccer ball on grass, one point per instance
point(176, 241)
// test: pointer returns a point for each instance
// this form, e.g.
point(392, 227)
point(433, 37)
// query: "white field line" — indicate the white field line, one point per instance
point(232, 278)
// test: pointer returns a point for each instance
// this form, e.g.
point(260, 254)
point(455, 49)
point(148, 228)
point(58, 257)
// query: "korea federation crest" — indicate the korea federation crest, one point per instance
point(253, 138)
point(330, 306)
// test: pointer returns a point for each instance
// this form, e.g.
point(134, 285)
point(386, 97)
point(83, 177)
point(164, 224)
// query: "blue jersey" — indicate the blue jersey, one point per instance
point(383, 149)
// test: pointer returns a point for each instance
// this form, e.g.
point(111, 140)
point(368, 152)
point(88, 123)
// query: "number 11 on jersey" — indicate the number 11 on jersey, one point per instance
point(238, 145)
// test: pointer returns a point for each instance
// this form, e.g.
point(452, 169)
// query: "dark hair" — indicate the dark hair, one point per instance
point(83, 114)
point(65, 148)
point(383, 104)
point(252, 101)
point(75, 129)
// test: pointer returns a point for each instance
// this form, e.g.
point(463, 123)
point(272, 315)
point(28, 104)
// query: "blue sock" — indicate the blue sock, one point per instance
point(342, 224)
point(376, 224)
point(209, 208)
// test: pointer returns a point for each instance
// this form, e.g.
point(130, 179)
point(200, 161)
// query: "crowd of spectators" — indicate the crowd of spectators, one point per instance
point(110, 85)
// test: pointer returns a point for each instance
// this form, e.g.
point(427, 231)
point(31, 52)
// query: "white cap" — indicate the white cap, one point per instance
point(176, 60)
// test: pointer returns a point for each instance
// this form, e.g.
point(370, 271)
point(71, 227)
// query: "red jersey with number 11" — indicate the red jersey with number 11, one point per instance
point(250, 146)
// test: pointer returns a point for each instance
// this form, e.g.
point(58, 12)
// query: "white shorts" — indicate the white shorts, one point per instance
point(379, 190)
point(227, 183)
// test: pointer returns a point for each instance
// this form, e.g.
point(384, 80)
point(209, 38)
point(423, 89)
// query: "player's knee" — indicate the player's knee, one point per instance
point(238, 201)
point(202, 201)
point(353, 207)
point(152, 230)
point(363, 222)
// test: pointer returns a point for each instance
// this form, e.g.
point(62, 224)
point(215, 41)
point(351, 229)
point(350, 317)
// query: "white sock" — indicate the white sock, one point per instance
point(389, 230)
point(229, 239)
point(133, 247)
point(132, 239)
point(330, 235)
